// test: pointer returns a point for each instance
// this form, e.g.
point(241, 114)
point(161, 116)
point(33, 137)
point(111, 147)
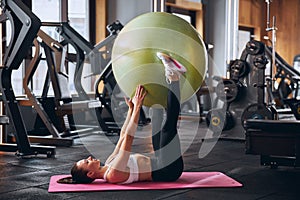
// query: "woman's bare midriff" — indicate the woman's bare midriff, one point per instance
point(144, 164)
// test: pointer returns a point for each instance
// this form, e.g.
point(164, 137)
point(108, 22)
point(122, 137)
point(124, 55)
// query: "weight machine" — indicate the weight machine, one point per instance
point(287, 79)
point(242, 94)
point(60, 107)
point(99, 57)
point(250, 93)
point(106, 88)
point(25, 26)
point(85, 52)
point(277, 141)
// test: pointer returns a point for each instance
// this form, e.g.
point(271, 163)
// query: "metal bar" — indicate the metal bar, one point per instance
point(64, 10)
point(51, 23)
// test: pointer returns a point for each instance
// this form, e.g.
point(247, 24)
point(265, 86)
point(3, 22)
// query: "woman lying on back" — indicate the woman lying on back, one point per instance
point(123, 167)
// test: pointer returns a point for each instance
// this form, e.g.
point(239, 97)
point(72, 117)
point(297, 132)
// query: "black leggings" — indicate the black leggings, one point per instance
point(167, 164)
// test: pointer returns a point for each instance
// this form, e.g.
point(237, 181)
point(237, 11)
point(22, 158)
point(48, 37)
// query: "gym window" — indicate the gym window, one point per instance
point(245, 34)
point(77, 12)
point(188, 15)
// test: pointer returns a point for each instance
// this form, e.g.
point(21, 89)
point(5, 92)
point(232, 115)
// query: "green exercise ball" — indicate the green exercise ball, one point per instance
point(134, 59)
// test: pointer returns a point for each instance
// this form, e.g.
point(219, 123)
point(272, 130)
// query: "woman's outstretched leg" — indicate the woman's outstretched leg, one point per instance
point(168, 163)
point(156, 120)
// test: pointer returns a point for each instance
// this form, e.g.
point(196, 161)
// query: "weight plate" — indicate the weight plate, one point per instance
point(238, 69)
point(227, 90)
point(215, 120)
point(254, 47)
point(260, 61)
point(219, 120)
point(257, 111)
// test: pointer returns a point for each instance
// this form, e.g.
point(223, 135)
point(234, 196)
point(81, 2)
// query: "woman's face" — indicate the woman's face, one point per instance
point(89, 164)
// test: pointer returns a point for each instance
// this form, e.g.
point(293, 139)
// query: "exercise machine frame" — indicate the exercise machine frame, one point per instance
point(25, 26)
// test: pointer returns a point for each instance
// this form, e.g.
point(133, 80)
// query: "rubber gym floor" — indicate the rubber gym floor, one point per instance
point(28, 178)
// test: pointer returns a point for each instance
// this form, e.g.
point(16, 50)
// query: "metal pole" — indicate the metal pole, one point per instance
point(268, 14)
point(162, 5)
point(154, 6)
point(273, 40)
point(158, 5)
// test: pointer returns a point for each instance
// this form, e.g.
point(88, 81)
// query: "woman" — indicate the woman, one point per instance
point(122, 167)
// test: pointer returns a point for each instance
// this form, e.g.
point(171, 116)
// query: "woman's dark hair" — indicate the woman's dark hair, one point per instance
point(78, 176)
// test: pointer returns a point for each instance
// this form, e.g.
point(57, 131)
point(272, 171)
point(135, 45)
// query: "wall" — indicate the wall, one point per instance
point(108, 11)
point(100, 20)
point(288, 23)
point(126, 10)
point(253, 13)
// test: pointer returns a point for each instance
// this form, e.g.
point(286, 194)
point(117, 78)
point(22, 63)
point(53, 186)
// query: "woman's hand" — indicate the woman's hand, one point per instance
point(139, 96)
point(129, 103)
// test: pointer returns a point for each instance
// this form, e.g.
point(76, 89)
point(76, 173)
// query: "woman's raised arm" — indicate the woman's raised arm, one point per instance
point(118, 171)
point(123, 129)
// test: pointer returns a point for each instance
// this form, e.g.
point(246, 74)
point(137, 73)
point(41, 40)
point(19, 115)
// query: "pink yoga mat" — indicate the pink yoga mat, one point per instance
point(187, 180)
